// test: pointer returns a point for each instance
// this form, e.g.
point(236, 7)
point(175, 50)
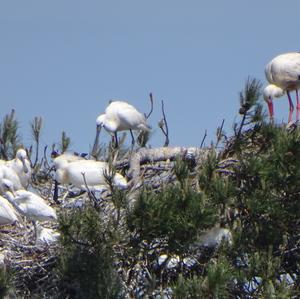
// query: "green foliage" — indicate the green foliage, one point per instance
point(86, 256)
point(218, 279)
point(5, 282)
point(250, 186)
point(250, 95)
point(219, 189)
point(267, 196)
point(177, 213)
point(216, 283)
point(65, 142)
point(36, 128)
point(9, 136)
point(188, 288)
point(268, 186)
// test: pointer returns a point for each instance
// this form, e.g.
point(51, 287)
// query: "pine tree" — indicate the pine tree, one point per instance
point(225, 225)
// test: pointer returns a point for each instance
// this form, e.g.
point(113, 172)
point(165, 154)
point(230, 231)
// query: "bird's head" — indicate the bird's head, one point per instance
point(100, 121)
point(54, 154)
point(22, 156)
point(272, 91)
point(7, 185)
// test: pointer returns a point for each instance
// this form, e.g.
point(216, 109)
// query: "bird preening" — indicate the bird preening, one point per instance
point(283, 75)
point(120, 116)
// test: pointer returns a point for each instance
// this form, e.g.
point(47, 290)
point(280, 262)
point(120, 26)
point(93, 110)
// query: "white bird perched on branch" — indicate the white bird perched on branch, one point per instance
point(283, 71)
point(120, 116)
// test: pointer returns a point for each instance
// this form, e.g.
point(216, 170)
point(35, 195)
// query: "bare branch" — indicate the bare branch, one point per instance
point(204, 137)
point(164, 125)
point(36, 127)
point(144, 155)
point(220, 132)
point(151, 109)
point(91, 194)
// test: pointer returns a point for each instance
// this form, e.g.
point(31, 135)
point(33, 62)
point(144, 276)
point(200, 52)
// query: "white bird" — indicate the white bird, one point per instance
point(120, 116)
point(21, 166)
point(88, 173)
point(31, 205)
point(214, 237)
point(45, 236)
point(60, 162)
point(283, 71)
point(7, 173)
point(8, 215)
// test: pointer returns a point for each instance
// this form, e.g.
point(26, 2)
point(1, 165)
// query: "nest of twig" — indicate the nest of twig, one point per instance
point(30, 265)
point(33, 267)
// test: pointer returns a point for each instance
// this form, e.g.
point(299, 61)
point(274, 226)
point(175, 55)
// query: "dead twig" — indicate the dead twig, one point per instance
point(91, 194)
point(204, 137)
point(220, 132)
point(151, 107)
point(164, 125)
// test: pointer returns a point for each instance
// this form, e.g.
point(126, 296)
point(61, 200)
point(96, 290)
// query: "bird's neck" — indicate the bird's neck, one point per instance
point(111, 126)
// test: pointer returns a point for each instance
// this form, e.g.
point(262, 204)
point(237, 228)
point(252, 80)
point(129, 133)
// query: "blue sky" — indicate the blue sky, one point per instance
point(64, 60)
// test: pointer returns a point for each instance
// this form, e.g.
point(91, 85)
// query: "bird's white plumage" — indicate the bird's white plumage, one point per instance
point(283, 71)
point(273, 91)
point(45, 236)
point(85, 172)
point(60, 163)
point(31, 205)
point(63, 159)
point(7, 174)
point(28, 204)
point(93, 174)
point(120, 116)
point(21, 166)
point(214, 237)
point(8, 214)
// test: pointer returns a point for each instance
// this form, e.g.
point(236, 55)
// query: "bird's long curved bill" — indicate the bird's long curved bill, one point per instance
point(271, 108)
point(25, 168)
point(96, 142)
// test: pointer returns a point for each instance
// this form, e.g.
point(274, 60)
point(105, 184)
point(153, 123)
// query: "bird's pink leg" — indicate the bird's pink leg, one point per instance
point(291, 107)
point(298, 105)
point(271, 108)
